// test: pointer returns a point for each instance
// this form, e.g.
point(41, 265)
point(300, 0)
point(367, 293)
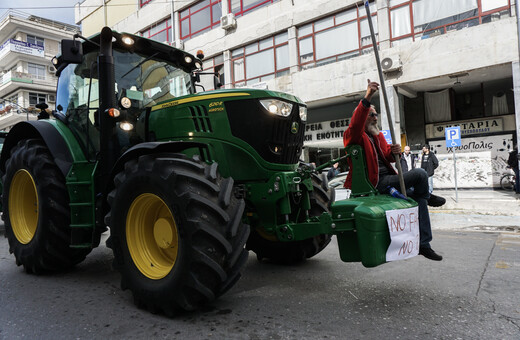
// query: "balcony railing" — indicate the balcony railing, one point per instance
point(21, 77)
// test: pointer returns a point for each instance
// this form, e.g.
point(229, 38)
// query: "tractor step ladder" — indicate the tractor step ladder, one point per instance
point(82, 204)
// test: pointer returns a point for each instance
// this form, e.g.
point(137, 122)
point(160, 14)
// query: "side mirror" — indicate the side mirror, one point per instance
point(216, 81)
point(71, 51)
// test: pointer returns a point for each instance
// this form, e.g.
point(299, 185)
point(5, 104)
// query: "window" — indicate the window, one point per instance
point(261, 61)
point(36, 71)
point(35, 40)
point(419, 19)
point(241, 7)
point(144, 2)
point(215, 64)
point(161, 32)
point(337, 37)
point(200, 18)
point(35, 98)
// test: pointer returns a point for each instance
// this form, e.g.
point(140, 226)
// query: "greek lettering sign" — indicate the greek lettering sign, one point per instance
point(403, 225)
point(473, 127)
point(325, 131)
point(21, 47)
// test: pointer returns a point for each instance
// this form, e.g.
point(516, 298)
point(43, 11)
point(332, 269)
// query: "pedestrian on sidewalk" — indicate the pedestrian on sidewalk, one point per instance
point(429, 163)
point(512, 161)
point(407, 160)
point(363, 131)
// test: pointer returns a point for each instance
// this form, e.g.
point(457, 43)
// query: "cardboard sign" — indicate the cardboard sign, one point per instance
point(403, 225)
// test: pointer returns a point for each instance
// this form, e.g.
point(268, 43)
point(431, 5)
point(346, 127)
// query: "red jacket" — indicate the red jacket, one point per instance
point(355, 134)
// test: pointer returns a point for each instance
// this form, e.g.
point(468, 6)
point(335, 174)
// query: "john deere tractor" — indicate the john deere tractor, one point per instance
point(185, 182)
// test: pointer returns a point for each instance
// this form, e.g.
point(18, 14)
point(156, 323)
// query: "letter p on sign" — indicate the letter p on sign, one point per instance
point(453, 136)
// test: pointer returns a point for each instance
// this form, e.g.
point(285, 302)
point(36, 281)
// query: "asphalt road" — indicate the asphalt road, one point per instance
point(472, 294)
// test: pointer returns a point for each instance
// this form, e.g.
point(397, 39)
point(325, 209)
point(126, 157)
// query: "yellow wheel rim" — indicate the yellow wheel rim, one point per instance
point(23, 206)
point(152, 236)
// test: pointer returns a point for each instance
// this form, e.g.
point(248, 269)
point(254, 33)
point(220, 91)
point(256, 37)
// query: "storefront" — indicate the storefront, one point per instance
point(481, 160)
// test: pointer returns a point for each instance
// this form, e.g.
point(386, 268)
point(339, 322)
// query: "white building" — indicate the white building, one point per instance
point(27, 44)
point(445, 63)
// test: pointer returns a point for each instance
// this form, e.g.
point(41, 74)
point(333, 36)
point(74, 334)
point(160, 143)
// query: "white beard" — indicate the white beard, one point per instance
point(373, 129)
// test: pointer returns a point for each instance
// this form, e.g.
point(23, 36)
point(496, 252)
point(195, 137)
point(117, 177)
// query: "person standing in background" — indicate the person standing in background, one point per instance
point(407, 160)
point(429, 163)
point(333, 171)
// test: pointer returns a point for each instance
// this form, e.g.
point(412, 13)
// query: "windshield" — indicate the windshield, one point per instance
point(145, 80)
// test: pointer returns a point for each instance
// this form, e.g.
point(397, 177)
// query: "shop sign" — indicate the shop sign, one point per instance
point(473, 127)
point(325, 131)
point(21, 47)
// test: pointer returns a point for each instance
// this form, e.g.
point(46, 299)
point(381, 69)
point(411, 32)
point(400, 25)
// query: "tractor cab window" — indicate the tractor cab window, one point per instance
point(77, 97)
point(148, 81)
point(144, 79)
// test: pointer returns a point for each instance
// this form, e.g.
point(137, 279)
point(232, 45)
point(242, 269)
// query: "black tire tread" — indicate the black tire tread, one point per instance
point(49, 250)
point(216, 241)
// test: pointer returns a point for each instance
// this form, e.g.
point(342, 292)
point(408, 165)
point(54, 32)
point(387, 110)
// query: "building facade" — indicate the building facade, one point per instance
point(446, 63)
point(27, 44)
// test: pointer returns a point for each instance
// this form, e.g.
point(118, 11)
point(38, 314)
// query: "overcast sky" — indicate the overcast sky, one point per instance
point(59, 10)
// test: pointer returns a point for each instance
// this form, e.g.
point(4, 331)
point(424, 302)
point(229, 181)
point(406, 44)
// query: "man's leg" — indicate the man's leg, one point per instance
point(430, 184)
point(416, 178)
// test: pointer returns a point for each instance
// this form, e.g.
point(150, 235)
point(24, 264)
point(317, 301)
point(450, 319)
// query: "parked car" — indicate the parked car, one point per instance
point(337, 184)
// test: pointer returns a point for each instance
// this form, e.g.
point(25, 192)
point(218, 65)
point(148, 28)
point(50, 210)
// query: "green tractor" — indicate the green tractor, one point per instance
point(186, 182)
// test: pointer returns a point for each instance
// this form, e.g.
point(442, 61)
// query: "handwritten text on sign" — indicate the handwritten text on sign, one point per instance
point(403, 225)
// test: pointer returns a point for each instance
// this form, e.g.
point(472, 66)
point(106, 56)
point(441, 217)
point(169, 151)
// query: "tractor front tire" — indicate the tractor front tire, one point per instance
point(176, 232)
point(36, 210)
point(275, 251)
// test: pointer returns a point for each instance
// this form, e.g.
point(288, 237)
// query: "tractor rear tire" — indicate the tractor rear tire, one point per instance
point(176, 232)
point(275, 251)
point(36, 210)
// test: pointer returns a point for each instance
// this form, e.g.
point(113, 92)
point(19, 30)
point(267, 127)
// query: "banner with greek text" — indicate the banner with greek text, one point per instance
point(403, 225)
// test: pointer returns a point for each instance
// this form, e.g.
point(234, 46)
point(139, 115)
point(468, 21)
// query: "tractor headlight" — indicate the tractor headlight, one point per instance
point(277, 107)
point(126, 126)
point(126, 102)
point(303, 113)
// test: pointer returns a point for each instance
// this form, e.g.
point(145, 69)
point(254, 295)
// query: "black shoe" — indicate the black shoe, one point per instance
point(429, 253)
point(436, 201)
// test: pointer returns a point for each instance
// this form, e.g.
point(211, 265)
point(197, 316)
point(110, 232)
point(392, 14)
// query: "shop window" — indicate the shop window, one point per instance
point(241, 7)
point(418, 19)
point(161, 32)
point(261, 61)
point(200, 18)
point(341, 36)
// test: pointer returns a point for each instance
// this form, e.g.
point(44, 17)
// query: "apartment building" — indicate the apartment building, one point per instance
point(446, 63)
point(27, 44)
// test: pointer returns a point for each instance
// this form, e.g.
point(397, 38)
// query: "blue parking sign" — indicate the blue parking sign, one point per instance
point(387, 135)
point(453, 136)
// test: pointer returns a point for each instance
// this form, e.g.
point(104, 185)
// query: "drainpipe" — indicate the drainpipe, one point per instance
point(172, 22)
point(517, 110)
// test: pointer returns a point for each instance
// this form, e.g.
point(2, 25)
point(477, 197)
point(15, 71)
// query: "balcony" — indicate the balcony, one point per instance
point(12, 79)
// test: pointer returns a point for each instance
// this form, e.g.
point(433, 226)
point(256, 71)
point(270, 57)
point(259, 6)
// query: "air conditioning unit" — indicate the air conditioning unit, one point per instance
point(51, 69)
point(51, 98)
point(228, 21)
point(391, 64)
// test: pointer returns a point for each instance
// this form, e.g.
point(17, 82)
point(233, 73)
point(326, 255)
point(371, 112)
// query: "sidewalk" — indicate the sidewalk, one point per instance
point(477, 209)
point(480, 201)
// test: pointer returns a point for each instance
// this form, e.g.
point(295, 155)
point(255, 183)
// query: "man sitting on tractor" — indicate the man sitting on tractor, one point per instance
point(363, 130)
